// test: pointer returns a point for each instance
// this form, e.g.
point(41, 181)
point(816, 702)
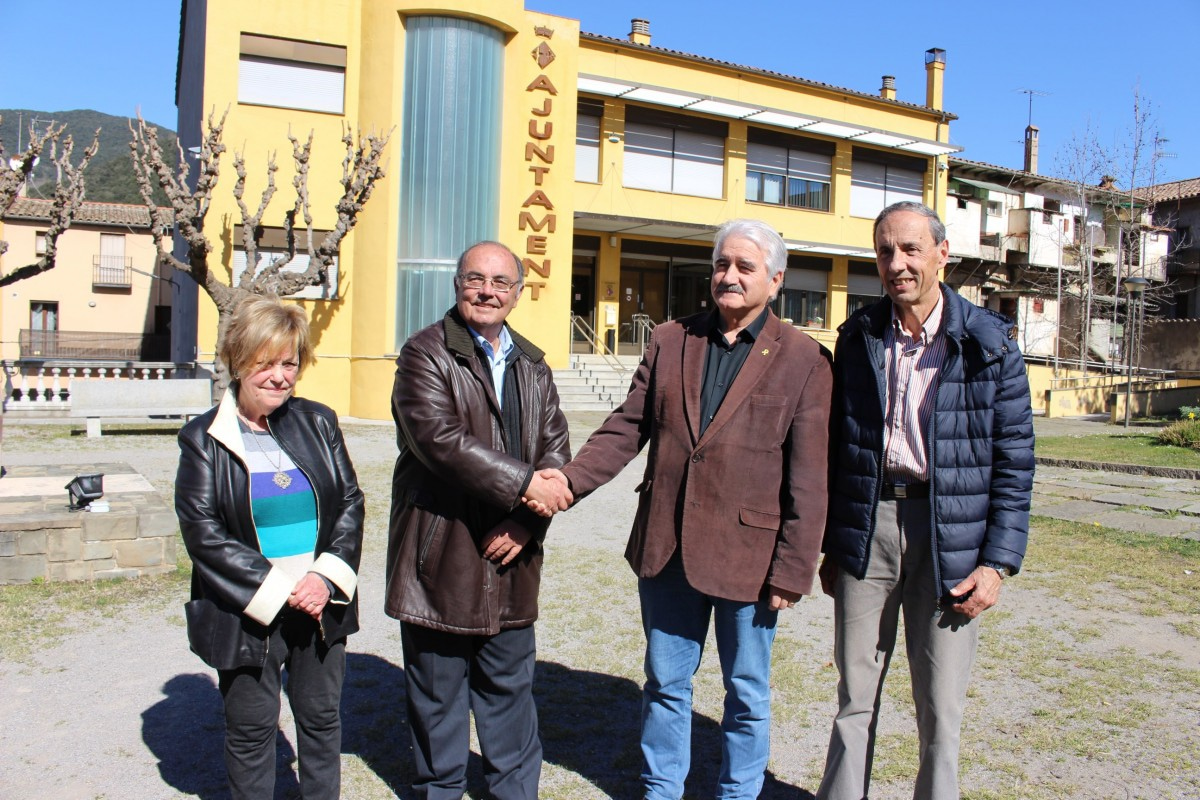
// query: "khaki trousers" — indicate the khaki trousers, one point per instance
point(940, 643)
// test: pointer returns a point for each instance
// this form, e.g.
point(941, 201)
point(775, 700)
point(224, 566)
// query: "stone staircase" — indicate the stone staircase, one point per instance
point(592, 384)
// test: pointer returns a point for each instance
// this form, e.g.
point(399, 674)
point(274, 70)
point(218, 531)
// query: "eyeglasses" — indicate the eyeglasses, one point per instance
point(476, 282)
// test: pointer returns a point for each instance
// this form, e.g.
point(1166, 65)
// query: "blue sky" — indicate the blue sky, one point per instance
point(1086, 57)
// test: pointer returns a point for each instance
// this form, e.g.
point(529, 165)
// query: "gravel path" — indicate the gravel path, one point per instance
point(117, 707)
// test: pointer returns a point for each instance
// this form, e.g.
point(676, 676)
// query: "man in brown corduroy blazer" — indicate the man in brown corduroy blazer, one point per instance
point(735, 406)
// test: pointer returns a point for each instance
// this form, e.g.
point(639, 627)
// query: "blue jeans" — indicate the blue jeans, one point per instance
point(675, 618)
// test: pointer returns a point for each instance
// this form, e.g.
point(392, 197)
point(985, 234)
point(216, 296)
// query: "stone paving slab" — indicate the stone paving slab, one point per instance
point(1092, 477)
point(1144, 523)
point(1130, 481)
point(1156, 502)
point(1076, 510)
point(1080, 491)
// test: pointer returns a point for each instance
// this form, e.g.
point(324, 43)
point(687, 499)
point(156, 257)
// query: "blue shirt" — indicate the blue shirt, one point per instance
point(496, 361)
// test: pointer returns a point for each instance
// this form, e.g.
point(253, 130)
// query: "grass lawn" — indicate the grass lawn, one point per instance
point(1118, 448)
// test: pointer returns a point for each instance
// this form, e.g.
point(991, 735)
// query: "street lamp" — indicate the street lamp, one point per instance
point(1134, 287)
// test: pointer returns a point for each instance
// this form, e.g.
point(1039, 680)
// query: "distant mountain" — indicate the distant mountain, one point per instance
point(110, 177)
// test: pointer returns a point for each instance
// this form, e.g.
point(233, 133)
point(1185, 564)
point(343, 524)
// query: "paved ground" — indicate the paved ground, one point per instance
point(113, 705)
point(1132, 502)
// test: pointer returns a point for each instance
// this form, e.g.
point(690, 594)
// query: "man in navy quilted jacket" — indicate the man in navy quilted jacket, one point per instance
point(930, 485)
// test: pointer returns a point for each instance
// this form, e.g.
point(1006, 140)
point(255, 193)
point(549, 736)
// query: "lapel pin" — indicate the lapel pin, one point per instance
point(765, 350)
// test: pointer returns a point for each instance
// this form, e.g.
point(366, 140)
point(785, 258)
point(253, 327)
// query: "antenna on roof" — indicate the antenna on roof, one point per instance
point(1031, 93)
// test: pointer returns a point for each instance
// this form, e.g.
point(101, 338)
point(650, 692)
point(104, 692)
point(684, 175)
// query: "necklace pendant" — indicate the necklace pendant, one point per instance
point(282, 480)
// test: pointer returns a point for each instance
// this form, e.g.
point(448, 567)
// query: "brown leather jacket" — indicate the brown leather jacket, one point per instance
point(454, 482)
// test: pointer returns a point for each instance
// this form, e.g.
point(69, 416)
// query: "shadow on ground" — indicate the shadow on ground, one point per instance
point(171, 431)
point(589, 725)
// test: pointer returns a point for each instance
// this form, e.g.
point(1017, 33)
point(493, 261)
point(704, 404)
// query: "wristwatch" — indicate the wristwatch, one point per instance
point(1003, 570)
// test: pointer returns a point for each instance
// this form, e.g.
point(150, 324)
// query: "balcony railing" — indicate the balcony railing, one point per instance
point(112, 272)
point(93, 346)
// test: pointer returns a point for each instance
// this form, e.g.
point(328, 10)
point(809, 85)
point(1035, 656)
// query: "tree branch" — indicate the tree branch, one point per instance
point(361, 169)
point(69, 191)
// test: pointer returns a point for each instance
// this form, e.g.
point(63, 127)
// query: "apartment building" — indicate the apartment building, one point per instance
point(1177, 211)
point(1049, 253)
point(105, 302)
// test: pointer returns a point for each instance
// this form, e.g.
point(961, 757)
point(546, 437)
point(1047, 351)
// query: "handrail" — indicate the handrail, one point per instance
point(645, 328)
point(579, 326)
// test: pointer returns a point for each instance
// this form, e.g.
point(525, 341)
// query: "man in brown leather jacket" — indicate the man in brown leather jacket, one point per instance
point(476, 415)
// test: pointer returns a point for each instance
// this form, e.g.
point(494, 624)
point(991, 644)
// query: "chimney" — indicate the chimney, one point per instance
point(639, 31)
point(935, 74)
point(1031, 148)
point(888, 90)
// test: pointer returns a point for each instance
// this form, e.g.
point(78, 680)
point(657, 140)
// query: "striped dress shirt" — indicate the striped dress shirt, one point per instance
point(913, 365)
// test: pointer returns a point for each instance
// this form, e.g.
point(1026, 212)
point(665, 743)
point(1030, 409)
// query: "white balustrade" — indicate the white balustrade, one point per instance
point(40, 387)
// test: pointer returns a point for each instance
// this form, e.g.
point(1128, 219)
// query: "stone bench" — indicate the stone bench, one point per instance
point(178, 397)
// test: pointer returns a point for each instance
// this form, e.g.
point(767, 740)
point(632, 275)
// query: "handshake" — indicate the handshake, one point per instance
point(548, 492)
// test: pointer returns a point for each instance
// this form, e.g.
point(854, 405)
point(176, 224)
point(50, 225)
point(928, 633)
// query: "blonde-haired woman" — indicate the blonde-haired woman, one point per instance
point(271, 515)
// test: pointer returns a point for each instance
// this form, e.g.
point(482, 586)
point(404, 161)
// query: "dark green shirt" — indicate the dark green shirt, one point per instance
point(722, 364)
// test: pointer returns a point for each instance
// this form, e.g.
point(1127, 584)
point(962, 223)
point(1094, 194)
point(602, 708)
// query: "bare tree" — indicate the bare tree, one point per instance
point(1081, 166)
point(1132, 209)
point(68, 190)
point(1107, 244)
point(191, 198)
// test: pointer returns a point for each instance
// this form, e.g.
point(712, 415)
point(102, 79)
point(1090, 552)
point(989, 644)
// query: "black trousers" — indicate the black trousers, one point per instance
point(448, 675)
point(251, 695)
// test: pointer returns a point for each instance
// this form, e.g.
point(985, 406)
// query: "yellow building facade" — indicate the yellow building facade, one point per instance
point(606, 164)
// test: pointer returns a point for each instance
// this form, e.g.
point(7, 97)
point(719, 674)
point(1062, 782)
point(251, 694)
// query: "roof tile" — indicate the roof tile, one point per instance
point(116, 214)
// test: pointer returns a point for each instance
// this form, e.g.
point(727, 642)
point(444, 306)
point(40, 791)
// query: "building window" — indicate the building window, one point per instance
point(587, 141)
point(995, 208)
point(803, 298)
point(111, 269)
point(43, 331)
point(268, 256)
point(1131, 241)
point(39, 243)
point(857, 302)
point(43, 316)
point(681, 155)
point(788, 171)
point(863, 287)
point(285, 73)
point(273, 248)
point(802, 307)
point(878, 179)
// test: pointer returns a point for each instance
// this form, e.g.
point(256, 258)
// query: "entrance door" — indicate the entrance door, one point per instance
point(43, 330)
point(583, 304)
point(643, 291)
point(690, 289)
